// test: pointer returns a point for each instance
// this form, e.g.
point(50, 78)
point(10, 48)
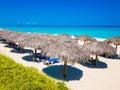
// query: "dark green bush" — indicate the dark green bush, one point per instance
point(14, 76)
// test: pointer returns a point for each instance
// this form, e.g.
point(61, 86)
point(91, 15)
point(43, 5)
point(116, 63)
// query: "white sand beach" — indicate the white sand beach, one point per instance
point(106, 76)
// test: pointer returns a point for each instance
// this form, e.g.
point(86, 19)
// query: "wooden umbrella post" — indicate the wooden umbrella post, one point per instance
point(35, 54)
point(65, 68)
point(84, 42)
point(19, 50)
point(96, 59)
point(116, 46)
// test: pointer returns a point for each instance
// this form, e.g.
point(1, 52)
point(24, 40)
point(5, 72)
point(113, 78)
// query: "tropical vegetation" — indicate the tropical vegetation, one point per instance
point(14, 76)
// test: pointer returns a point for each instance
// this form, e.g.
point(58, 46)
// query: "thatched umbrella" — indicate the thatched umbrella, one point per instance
point(86, 38)
point(1, 33)
point(11, 36)
point(115, 40)
point(65, 36)
point(61, 38)
point(20, 37)
point(35, 42)
point(99, 48)
point(68, 52)
point(14, 36)
point(50, 37)
point(5, 33)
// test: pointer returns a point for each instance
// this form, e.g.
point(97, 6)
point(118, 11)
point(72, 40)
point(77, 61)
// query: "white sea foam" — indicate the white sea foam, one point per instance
point(1, 29)
point(100, 39)
point(55, 34)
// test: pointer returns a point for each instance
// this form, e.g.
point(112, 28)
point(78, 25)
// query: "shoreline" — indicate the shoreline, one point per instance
point(104, 33)
point(72, 36)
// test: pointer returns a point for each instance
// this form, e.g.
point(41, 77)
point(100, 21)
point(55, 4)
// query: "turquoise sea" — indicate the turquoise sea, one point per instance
point(97, 32)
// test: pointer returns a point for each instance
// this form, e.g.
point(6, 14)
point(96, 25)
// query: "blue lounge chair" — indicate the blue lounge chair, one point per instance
point(52, 60)
point(15, 48)
point(38, 54)
point(42, 58)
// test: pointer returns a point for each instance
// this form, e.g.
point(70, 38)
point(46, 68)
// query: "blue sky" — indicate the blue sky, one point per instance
point(60, 12)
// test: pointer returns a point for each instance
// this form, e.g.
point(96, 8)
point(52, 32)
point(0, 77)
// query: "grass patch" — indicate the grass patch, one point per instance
point(14, 76)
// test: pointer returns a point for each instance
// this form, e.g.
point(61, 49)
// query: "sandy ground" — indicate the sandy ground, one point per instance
point(106, 76)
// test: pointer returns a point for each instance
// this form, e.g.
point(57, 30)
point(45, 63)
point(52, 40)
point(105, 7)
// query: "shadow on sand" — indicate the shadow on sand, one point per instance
point(25, 51)
point(8, 46)
point(28, 51)
point(56, 71)
point(100, 65)
point(116, 57)
point(112, 57)
point(28, 58)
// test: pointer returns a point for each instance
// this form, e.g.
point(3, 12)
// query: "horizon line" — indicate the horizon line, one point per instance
point(62, 25)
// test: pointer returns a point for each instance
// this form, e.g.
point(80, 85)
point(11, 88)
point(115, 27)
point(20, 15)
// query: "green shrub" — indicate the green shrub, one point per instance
point(14, 76)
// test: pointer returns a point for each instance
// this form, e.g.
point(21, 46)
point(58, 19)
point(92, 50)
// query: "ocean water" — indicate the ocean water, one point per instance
point(97, 32)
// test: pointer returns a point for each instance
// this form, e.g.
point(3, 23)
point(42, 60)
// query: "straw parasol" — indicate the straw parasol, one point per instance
point(69, 52)
point(12, 36)
point(115, 40)
point(34, 41)
point(86, 38)
point(49, 37)
point(20, 37)
point(61, 38)
point(99, 48)
point(1, 33)
point(5, 33)
point(65, 36)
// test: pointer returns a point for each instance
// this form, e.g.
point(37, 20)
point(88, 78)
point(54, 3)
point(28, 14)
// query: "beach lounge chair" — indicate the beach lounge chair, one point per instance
point(2, 39)
point(15, 49)
point(52, 60)
point(38, 54)
point(42, 58)
point(38, 59)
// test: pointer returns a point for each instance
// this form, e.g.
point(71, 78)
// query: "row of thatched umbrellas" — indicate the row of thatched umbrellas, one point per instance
point(62, 46)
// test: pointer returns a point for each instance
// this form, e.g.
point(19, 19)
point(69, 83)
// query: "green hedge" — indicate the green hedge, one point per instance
point(14, 76)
